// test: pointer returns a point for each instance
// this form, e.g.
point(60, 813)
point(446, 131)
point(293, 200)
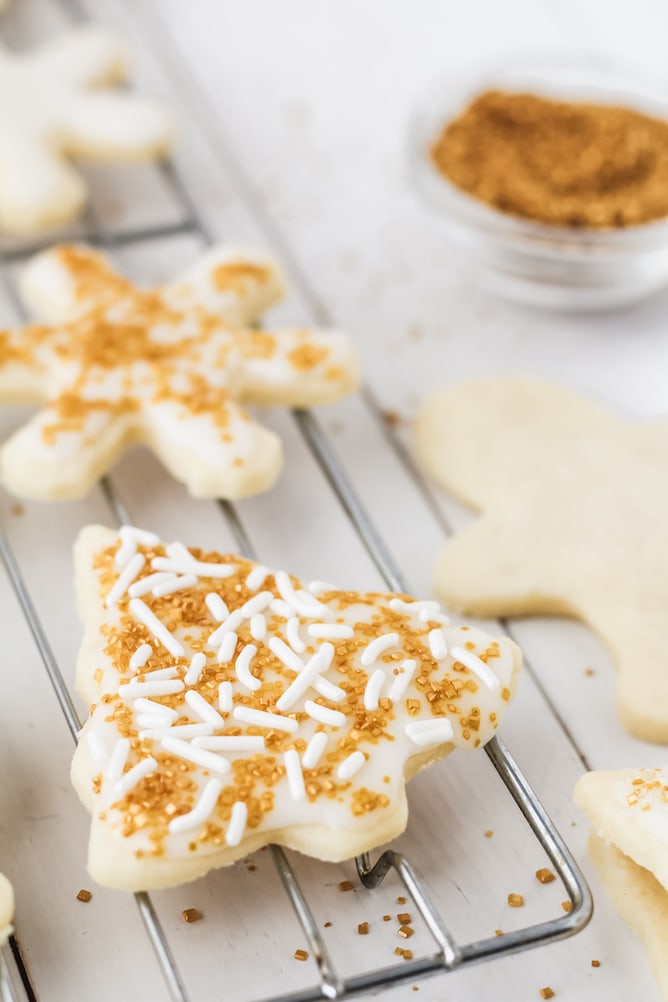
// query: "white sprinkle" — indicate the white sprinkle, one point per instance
point(225, 697)
point(316, 664)
point(193, 566)
point(179, 551)
point(147, 584)
point(430, 732)
point(242, 668)
point(478, 667)
point(237, 823)
point(117, 760)
point(175, 584)
point(197, 665)
point(143, 536)
point(324, 715)
point(401, 681)
point(227, 648)
point(128, 781)
point(180, 731)
point(373, 689)
point(437, 644)
point(234, 742)
point(125, 579)
point(263, 719)
point(281, 608)
point(153, 720)
point(258, 603)
point(125, 551)
point(318, 587)
point(427, 616)
point(185, 750)
point(157, 675)
point(142, 612)
point(140, 657)
point(308, 607)
point(216, 606)
point(229, 625)
point(331, 631)
point(316, 607)
point(143, 705)
point(292, 633)
point(314, 750)
point(257, 577)
point(334, 693)
point(285, 654)
point(134, 689)
point(258, 626)
point(204, 710)
point(96, 746)
point(202, 810)
point(350, 765)
point(293, 771)
point(377, 647)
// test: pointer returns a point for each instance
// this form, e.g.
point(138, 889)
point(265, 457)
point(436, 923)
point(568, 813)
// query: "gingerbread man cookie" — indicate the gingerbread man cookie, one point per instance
point(573, 503)
point(628, 843)
point(168, 367)
point(233, 706)
point(54, 104)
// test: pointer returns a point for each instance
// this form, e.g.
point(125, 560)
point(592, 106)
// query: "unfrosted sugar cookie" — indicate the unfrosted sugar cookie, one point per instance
point(6, 909)
point(55, 104)
point(628, 811)
point(233, 706)
point(572, 501)
point(169, 367)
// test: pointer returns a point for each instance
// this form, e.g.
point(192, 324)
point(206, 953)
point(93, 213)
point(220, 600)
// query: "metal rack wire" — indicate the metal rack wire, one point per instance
point(448, 953)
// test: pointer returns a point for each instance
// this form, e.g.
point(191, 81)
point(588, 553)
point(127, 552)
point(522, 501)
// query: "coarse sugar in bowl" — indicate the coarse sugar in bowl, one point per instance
point(589, 234)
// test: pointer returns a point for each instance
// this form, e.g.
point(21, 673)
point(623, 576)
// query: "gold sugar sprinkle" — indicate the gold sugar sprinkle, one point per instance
point(515, 900)
point(405, 931)
point(404, 918)
point(489, 833)
point(363, 929)
point(498, 932)
point(401, 901)
point(346, 885)
point(84, 895)
point(328, 925)
point(567, 906)
point(300, 955)
point(596, 963)
point(192, 915)
point(545, 875)
point(546, 993)
point(387, 918)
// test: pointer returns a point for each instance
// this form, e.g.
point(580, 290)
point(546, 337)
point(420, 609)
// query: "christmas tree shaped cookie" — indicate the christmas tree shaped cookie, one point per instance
point(233, 706)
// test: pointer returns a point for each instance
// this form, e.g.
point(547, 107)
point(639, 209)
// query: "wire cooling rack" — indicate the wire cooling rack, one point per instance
point(448, 954)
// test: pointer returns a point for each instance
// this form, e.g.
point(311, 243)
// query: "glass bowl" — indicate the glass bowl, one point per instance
point(554, 267)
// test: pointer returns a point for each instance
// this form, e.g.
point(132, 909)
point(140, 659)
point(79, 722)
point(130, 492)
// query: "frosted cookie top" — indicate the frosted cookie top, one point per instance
point(629, 807)
point(234, 705)
point(55, 103)
point(171, 367)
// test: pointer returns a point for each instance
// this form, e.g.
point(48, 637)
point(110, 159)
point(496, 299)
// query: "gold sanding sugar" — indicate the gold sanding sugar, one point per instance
point(84, 896)
point(573, 164)
point(191, 915)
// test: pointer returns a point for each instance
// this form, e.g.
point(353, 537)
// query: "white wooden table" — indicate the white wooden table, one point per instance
point(293, 119)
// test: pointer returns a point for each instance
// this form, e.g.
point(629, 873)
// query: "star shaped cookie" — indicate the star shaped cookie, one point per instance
point(233, 705)
point(169, 367)
point(55, 104)
point(572, 501)
point(628, 811)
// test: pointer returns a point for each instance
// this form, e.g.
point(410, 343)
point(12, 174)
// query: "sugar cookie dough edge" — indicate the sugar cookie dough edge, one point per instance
point(639, 898)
